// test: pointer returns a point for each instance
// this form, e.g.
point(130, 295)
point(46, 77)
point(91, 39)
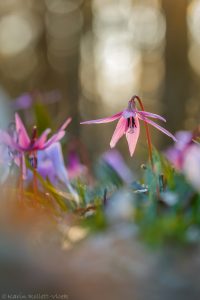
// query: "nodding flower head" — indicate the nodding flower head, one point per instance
point(129, 125)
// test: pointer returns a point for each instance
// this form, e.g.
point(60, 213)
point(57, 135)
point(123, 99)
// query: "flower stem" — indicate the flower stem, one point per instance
point(147, 131)
point(35, 186)
point(21, 188)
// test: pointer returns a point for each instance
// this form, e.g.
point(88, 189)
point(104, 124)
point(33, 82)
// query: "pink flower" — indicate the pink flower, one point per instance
point(176, 154)
point(186, 142)
point(24, 143)
point(74, 167)
point(191, 165)
point(21, 142)
point(129, 125)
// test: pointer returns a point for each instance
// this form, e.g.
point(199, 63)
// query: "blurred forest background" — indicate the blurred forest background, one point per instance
point(89, 57)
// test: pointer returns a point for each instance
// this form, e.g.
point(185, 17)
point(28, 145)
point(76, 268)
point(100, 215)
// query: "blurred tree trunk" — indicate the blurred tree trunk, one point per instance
point(177, 78)
point(71, 81)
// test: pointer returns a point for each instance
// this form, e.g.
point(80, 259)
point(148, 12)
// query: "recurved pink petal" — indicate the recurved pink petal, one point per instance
point(55, 138)
point(150, 115)
point(119, 131)
point(64, 126)
point(104, 120)
point(42, 139)
point(165, 131)
point(132, 136)
point(23, 138)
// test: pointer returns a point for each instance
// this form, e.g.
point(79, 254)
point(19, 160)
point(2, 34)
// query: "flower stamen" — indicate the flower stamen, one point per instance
point(34, 136)
point(131, 124)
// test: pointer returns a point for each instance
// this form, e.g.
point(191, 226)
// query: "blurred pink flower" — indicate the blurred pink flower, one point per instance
point(129, 124)
point(74, 167)
point(22, 143)
point(185, 156)
point(176, 154)
point(26, 144)
point(191, 165)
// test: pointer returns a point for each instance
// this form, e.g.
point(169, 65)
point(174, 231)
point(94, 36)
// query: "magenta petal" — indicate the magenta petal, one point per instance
point(150, 115)
point(119, 131)
point(159, 128)
point(132, 137)
point(64, 126)
point(104, 120)
point(42, 139)
point(55, 138)
point(23, 138)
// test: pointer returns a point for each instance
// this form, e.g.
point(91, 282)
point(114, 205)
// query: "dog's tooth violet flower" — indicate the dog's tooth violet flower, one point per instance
point(25, 144)
point(21, 143)
point(176, 153)
point(129, 125)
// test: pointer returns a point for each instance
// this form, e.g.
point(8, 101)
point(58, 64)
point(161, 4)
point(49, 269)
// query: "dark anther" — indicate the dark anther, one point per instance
point(33, 161)
point(131, 122)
